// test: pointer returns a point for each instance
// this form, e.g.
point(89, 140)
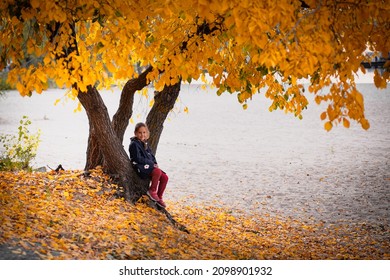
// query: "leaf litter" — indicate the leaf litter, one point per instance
point(64, 215)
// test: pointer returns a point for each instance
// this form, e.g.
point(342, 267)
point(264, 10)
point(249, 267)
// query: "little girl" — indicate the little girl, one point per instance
point(145, 164)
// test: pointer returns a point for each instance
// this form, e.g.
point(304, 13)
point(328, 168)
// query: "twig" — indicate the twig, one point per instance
point(59, 168)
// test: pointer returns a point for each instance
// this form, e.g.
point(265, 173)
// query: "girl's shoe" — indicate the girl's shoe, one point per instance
point(161, 203)
point(153, 196)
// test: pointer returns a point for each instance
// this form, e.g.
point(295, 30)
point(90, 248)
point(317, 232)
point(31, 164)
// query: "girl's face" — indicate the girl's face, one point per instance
point(142, 134)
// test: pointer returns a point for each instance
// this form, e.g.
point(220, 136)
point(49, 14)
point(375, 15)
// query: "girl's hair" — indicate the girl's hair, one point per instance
point(139, 125)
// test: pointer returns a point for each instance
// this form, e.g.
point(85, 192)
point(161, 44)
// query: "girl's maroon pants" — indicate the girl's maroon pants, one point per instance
point(159, 182)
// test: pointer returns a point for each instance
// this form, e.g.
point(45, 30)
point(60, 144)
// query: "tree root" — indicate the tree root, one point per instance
point(163, 210)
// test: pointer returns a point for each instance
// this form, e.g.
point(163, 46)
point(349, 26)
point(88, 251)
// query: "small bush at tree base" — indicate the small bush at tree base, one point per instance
point(20, 149)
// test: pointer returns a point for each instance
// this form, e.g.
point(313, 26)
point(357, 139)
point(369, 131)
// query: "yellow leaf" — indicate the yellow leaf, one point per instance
point(67, 195)
point(144, 92)
point(328, 126)
point(41, 75)
point(365, 124)
point(123, 238)
point(111, 68)
point(78, 108)
point(46, 60)
point(14, 20)
point(346, 123)
point(35, 3)
point(378, 80)
point(323, 116)
point(359, 99)
point(22, 90)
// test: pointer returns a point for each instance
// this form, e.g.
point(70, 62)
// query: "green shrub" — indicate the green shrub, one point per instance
point(20, 149)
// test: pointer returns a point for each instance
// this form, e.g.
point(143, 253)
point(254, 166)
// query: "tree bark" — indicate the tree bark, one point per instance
point(94, 154)
point(120, 120)
point(105, 140)
point(164, 101)
point(117, 163)
point(105, 146)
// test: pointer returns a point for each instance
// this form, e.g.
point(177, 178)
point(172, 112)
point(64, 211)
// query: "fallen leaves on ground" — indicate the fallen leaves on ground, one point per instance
point(68, 216)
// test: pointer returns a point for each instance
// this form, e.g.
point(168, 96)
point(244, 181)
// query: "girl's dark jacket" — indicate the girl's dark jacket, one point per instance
point(141, 157)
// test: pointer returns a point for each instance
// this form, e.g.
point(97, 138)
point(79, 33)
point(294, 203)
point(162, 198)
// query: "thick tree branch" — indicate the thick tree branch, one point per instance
point(122, 116)
point(164, 102)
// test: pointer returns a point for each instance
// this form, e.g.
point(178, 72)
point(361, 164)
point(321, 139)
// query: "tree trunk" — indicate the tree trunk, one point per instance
point(120, 120)
point(164, 101)
point(94, 154)
point(105, 145)
point(117, 163)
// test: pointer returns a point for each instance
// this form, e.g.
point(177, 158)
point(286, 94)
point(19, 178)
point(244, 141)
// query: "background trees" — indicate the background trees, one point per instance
point(243, 45)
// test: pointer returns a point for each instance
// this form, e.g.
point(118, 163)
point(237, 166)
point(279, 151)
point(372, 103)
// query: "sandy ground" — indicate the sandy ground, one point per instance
point(252, 160)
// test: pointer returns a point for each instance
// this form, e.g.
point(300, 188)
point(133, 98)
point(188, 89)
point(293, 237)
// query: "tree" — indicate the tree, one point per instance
point(243, 45)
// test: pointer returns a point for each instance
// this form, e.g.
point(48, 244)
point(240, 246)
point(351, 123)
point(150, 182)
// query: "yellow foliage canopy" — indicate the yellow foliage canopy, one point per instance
point(244, 46)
